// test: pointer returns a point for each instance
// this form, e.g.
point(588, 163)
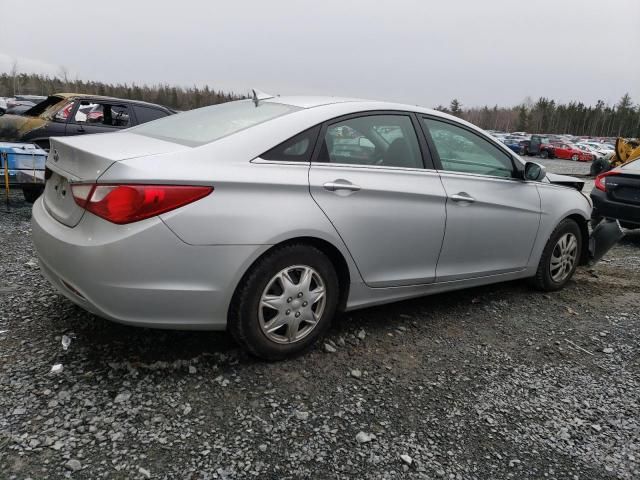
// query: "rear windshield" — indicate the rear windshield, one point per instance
point(205, 125)
point(46, 108)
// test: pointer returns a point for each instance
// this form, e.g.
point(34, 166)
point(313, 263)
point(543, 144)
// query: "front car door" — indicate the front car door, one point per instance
point(369, 177)
point(492, 215)
point(98, 116)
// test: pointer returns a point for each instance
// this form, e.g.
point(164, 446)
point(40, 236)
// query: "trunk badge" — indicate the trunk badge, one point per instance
point(56, 157)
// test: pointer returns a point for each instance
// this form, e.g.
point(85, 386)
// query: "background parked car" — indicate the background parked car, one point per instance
point(76, 114)
point(606, 150)
point(617, 195)
point(568, 151)
point(596, 152)
point(19, 104)
point(513, 144)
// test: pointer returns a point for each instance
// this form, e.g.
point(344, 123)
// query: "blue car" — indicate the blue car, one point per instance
point(513, 144)
point(25, 162)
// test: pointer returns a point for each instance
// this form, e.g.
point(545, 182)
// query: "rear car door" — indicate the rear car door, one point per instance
point(369, 177)
point(97, 116)
point(492, 216)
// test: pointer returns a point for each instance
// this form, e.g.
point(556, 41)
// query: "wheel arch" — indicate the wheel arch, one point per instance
point(336, 257)
point(583, 224)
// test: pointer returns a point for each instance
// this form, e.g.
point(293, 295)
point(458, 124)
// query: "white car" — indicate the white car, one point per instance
point(596, 152)
point(607, 151)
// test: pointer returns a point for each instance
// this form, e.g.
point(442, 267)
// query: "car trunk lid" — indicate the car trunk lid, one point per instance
point(624, 188)
point(83, 159)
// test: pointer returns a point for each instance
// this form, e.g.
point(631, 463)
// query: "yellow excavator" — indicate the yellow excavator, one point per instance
point(626, 150)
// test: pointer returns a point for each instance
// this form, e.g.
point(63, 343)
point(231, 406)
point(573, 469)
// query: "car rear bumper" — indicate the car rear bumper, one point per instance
point(605, 207)
point(140, 274)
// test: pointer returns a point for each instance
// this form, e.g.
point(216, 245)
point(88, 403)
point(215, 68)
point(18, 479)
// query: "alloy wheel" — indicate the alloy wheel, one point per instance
point(292, 304)
point(564, 257)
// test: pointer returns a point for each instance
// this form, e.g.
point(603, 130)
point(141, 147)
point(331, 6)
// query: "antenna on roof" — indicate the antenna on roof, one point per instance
point(257, 95)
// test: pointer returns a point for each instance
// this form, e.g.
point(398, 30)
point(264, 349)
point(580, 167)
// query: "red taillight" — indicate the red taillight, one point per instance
point(601, 183)
point(130, 203)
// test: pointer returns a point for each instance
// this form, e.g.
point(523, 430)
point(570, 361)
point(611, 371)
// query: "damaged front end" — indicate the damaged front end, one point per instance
point(603, 237)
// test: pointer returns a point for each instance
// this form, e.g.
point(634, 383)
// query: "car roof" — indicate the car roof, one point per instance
point(356, 105)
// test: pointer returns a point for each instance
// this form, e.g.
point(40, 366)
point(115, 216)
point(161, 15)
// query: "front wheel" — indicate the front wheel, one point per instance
point(559, 258)
point(574, 157)
point(544, 154)
point(285, 303)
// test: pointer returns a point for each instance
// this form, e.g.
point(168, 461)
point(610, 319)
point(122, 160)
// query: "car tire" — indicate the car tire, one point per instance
point(554, 269)
point(31, 194)
point(544, 154)
point(250, 320)
point(575, 157)
point(599, 166)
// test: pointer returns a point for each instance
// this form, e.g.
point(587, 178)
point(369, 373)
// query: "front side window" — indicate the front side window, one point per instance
point(463, 151)
point(382, 140)
point(105, 114)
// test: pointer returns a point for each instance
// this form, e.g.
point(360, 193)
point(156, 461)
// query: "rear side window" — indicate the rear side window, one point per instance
point(380, 140)
point(148, 114)
point(208, 124)
point(296, 149)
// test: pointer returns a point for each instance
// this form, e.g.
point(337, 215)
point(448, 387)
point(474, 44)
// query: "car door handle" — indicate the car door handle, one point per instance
point(341, 185)
point(81, 129)
point(462, 197)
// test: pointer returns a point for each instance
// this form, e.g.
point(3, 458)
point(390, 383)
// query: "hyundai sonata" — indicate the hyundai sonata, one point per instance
point(266, 216)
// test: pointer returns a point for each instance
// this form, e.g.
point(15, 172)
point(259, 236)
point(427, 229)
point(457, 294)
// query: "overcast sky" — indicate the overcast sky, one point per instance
point(413, 51)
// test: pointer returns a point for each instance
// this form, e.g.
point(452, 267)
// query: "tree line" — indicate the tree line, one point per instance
point(548, 116)
point(180, 98)
point(543, 116)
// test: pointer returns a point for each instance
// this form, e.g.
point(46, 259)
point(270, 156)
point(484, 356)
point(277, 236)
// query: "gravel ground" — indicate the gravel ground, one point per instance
point(492, 382)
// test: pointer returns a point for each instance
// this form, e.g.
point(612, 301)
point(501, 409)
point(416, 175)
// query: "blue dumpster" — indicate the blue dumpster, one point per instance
point(25, 162)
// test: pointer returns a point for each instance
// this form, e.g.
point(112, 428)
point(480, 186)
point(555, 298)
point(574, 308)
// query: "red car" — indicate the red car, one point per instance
point(570, 152)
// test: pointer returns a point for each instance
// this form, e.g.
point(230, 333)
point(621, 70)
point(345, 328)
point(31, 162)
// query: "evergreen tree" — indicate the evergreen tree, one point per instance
point(455, 108)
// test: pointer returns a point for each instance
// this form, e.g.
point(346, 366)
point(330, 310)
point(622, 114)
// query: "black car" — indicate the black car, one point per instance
point(617, 195)
point(76, 114)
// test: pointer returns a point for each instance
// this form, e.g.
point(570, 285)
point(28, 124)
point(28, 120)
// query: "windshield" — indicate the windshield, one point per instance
point(205, 125)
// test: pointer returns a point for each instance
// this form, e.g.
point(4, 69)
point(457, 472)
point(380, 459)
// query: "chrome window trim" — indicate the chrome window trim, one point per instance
point(373, 167)
point(481, 176)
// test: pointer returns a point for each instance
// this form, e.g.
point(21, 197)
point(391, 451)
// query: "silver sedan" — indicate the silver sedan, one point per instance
point(266, 216)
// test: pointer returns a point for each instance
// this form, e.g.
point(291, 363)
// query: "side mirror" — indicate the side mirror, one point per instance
point(534, 172)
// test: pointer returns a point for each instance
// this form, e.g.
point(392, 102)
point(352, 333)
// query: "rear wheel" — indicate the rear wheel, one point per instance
point(285, 303)
point(560, 257)
point(575, 157)
point(544, 154)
